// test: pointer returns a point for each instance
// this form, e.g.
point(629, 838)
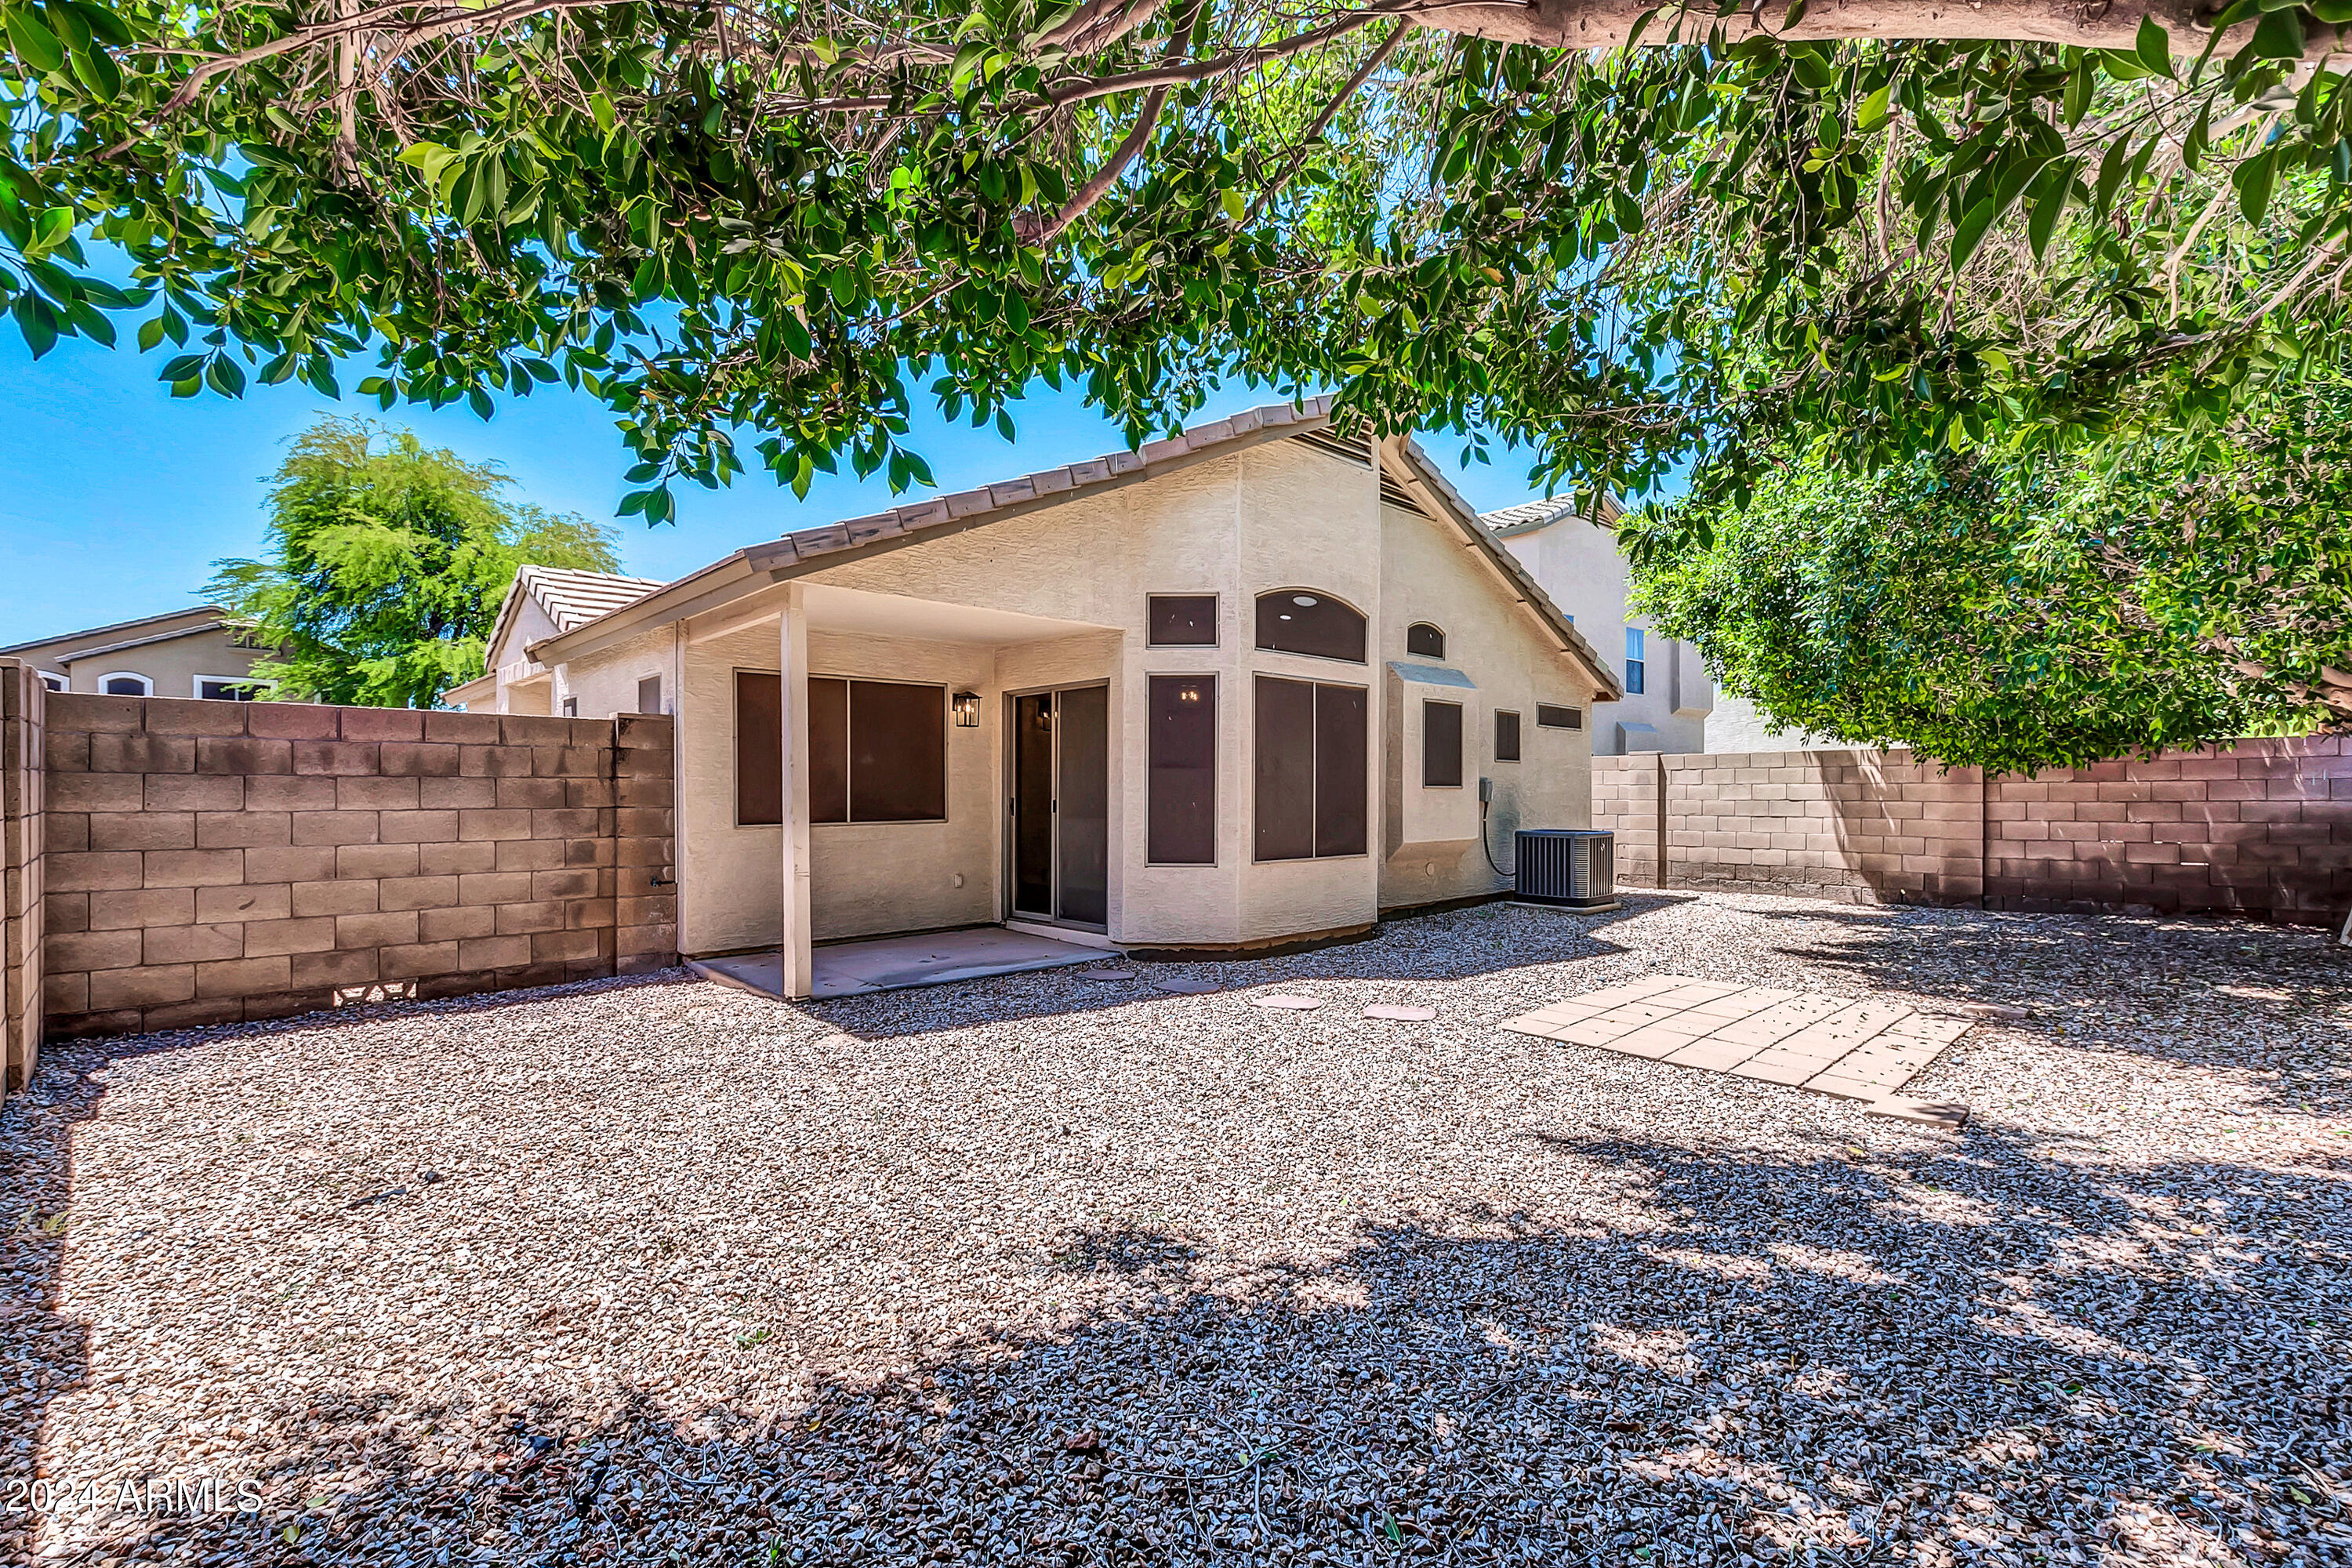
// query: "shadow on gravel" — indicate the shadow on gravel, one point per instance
point(2206, 992)
point(1982, 1352)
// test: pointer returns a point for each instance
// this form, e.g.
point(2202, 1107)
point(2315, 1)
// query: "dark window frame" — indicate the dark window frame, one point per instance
point(1349, 703)
point(1570, 716)
point(1637, 658)
point(1272, 598)
point(820, 811)
point(1153, 826)
point(1434, 760)
point(1511, 753)
point(1435, 630)
point(1150, 630)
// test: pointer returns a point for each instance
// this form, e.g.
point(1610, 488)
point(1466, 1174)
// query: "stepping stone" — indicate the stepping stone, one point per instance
point(1925, 1112)
point(1184, 987)
point(1106, 974)
point(1282, 999)
point(1400, 1014)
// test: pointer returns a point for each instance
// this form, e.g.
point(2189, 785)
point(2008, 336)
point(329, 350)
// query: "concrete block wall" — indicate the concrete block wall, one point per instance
point(2262, 828)
point(23, 706)
point(213, 862)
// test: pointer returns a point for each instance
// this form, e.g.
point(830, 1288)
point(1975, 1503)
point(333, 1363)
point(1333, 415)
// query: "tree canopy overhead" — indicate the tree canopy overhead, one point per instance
point(787, 221)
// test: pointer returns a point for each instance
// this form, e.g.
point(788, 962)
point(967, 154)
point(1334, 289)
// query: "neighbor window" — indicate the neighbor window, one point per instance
point(649, 694)
point(1633, 662)
point(1507, 737)
point(1292, 620)
point(1311, 749)
point(1441, 745)
point(1424, 641)
point(1181, 809)
point(1182, 620)
point(126, 684)
point(572, 708)
point(54, 682)
point(877, 751)
point(1552, 717)
point(220, 688)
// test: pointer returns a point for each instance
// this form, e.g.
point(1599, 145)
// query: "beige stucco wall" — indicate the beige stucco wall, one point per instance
point(173, 665)
point(1579, 567)
point(1433, 575)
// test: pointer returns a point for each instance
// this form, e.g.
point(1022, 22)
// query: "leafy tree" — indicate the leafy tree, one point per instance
point(2164, 590)
point(783, 219)
point(386, 563)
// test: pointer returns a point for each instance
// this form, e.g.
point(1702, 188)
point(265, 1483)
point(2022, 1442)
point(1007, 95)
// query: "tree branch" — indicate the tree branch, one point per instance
point(1354, 85)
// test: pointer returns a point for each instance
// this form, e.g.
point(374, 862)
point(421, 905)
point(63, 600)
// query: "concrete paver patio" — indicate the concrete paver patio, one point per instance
point(1855, 1049)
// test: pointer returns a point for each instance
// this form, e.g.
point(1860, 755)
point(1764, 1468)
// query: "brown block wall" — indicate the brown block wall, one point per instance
point(23, 705)
point(2262, 828)
point(213, 862)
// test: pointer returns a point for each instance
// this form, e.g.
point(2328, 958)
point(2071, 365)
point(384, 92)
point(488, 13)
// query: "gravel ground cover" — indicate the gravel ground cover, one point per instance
point(1049, 1270)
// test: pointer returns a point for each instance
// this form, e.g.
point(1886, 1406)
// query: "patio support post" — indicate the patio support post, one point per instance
point(793, 658)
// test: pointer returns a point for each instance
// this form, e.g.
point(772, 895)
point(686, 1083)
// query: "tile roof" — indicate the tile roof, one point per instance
point(1539, 513)
point(573, 598)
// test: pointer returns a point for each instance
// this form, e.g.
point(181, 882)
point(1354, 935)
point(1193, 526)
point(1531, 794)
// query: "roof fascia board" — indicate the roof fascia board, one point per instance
point(716, 585)
point(80, 654)
point(66, 638)
point(1443, 502)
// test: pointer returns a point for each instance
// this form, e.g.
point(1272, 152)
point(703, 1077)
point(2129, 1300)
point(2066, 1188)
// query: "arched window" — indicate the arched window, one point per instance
point(124, 683)
point(1424, 641)
point(1296, 620)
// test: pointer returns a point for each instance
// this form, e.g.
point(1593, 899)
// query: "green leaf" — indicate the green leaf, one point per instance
point(2153, 47)
point(99, 73)
point(225, 375)
point(2048, 198)
point(1874, 114)
point(33, 43)
point(2278, 37)
point(2200, 136)
point(151, 332)
point(2253, 179)
point(2111, 175)
point(1971, 229)
point(37, 322)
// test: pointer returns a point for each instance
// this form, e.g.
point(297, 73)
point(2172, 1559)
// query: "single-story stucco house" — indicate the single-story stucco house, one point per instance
point(1242, 687)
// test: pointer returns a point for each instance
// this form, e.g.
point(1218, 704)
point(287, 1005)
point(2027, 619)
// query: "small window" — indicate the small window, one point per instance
point(649, 694)
point(1633, 661)
point(759, 750)
point(572, 708)
point(1181, 805)
point(1182, 620)
point(1424, 641)
point(1507, 737)
point(1552, 717)
point(54, 682)
point(221, 688)
point(1312, 743)
point(125, 684)
point(1292, 620)
point(1441, 745)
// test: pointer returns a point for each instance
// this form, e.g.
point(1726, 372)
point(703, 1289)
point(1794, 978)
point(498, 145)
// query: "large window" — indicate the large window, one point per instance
point(1311, 751)
point(1292, 620)
point(1182, 802)
point(877, 751)
point(1634, 663)
point(1182, 620)
point(1441, 745)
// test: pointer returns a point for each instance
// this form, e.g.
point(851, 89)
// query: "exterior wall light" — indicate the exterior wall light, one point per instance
point(965, 705)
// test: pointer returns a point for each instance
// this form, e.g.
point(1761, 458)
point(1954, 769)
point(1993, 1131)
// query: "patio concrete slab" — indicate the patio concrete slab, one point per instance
point(1865, 1050)
point(901, 962)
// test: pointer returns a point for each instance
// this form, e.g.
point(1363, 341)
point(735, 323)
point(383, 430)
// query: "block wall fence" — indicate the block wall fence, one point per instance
point(175, 863)
point(2262, 829)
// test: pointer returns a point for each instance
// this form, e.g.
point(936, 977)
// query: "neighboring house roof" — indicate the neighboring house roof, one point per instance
point(569, 597)
point(1528, 516)
point(193, 621)
point(808, 549)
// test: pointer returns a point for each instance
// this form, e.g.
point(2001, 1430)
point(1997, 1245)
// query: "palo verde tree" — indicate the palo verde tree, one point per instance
point(780, 220)
point(385, 565)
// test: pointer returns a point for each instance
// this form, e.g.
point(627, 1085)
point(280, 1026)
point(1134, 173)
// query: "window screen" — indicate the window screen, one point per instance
point(1292, 620)
point(227, 690)
point(649, 694)
point(1182, 807)
point(897, 752)
point(1552, 717)
point(1311, 743)
point(1635, 665)
point(1424, 641)
point(1182, 620)
point(126, 686)
point(759, 750)
point(828, 730)
point(1441, 745)
point(1507, 737)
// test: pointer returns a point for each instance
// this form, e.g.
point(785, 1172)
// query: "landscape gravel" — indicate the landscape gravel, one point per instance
point(1043, 1269)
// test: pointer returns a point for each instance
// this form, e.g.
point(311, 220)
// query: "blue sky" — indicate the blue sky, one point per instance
point(115, 499)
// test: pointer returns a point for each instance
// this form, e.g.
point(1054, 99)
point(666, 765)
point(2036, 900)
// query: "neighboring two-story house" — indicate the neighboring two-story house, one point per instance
point(194, 652)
